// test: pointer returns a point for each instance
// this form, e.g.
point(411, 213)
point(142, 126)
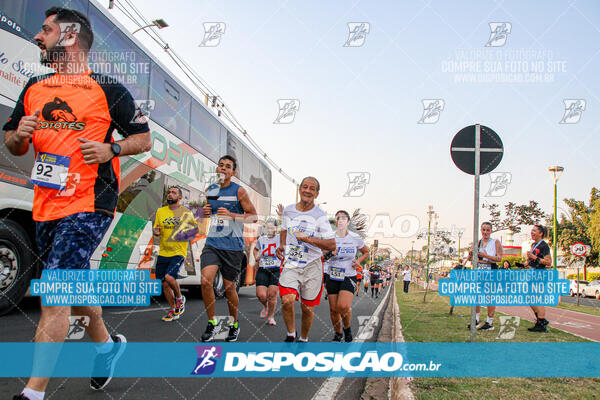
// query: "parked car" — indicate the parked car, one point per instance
point(573, 287)
point(592, 289)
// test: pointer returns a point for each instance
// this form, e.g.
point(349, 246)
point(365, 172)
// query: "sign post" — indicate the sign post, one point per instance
point(579, 250)
point(476, 150)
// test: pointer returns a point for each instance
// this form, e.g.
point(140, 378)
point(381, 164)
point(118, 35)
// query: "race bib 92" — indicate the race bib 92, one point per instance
point(50, 170)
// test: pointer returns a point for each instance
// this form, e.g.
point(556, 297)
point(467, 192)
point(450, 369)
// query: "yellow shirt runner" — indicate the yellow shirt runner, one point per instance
point(177, 227)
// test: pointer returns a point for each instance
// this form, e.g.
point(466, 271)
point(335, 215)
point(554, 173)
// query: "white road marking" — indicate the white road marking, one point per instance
point(331, 385)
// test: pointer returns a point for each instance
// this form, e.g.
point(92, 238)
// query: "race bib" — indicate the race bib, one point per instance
point(270, 262)
point(218, 221)
point(51, 170)
point(337, 273)
point(297, 255)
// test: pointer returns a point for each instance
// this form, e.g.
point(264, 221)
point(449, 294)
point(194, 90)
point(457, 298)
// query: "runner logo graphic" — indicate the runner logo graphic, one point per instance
point(357, 33)
point(68, 33)
point(287, 111)
point(573, 110)
point(207, 359)
point(499, 182)
point(357, 183)
point(143, 108)
point(212, 34)
point(508, 327)
point(498, 34)
point(366, 326)
point(432, 108)
point(222, 327)
point(77, 326)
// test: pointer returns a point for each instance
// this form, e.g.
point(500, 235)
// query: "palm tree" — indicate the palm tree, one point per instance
point(358, 223)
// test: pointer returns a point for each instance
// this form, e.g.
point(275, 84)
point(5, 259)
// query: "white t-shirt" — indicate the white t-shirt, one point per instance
point(406, 275)
point(490, 248)
point(346, 251)
point(314, 223)
point(267, 248)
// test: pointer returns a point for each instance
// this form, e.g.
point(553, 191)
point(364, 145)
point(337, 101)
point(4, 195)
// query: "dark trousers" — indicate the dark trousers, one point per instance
point(406, 283)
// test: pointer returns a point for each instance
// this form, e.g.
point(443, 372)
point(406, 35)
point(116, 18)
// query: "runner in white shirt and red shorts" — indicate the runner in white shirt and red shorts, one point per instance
point(341, 276)
point(305, 233)
point(266, 275)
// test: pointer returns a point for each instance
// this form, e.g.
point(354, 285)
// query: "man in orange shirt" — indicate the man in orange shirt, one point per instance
point(69, 117)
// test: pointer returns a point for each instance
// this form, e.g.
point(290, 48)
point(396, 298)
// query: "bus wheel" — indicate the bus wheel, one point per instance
point(219, 286)
point(17, 265)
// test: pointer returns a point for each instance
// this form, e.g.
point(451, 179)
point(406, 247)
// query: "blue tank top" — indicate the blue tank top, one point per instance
point(225, 234)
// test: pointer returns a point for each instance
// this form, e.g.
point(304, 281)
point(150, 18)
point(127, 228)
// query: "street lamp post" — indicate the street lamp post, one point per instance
point(158, 23)
point(412, 250)
point(460, 233)
point(556, 171)
point(430, 216)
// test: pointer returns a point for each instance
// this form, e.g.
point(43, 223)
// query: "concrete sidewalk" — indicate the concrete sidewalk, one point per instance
point(583, 325)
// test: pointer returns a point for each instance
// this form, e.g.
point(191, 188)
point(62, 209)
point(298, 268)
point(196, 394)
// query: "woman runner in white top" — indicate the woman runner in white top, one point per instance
point(341, 275)
point(490, 252)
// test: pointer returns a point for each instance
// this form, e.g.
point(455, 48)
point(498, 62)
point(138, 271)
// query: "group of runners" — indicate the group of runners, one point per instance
point(70, 226)
point(294, 264)
point(490, 255)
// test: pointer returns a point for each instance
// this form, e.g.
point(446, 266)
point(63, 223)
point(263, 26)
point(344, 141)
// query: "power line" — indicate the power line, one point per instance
point(198, 82)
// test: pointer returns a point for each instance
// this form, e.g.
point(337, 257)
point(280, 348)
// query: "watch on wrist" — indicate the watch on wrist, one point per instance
point(116, 149)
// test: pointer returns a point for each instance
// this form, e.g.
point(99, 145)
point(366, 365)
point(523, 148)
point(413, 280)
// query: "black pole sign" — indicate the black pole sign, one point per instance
point(476, 150)
point(462, 150)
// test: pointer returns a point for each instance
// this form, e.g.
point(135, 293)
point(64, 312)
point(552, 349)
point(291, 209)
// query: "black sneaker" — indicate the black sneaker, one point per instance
point(538, 327)
point(348, 335)
point(290, 339)
point(486, 327)
point(104, 364)
point(20, 397)
point(337, 337)
point(234, 332)
point(544, 322)
point(476, 323)
point(210, 332)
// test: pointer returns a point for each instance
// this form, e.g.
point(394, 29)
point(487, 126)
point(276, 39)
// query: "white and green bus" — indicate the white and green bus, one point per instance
point(187, 141)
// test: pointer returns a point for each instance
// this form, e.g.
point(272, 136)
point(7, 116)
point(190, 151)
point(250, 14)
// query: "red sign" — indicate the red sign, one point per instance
point(578, 249)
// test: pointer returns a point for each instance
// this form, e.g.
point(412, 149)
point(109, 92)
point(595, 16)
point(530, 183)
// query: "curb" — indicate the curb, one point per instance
point(399, 386)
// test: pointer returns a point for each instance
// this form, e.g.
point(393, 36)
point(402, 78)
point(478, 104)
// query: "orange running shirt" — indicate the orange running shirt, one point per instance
point(86, 106)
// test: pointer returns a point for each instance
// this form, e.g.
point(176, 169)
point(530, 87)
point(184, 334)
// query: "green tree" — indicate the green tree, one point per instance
point(581, 224)
point(515, 215)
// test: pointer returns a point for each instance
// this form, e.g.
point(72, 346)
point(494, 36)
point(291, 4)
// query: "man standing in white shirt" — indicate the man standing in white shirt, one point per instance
point(406, 278)
point(305, 233)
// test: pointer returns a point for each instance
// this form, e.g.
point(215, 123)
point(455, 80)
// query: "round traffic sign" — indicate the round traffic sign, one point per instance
point(462, 150)
point(578, 249)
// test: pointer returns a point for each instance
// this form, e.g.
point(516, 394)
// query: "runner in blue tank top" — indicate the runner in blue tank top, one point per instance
point(228, 207)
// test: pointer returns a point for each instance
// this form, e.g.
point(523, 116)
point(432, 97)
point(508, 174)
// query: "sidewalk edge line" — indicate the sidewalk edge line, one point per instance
point(399, 387)
point(330, 387)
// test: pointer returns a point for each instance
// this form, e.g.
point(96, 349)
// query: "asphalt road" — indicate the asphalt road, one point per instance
point(145, 325)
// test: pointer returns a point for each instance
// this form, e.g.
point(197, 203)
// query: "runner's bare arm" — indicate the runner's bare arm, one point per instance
point(256, 252)
point(17, 141)
point(365, 254)
point(135, 144)
point(547, 260)
point(499, 252)
point(249, 215)
point(323, 244)
point(282, 240)
point(99, 152)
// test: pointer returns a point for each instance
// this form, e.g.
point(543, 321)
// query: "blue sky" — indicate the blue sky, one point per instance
point(359, 106)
